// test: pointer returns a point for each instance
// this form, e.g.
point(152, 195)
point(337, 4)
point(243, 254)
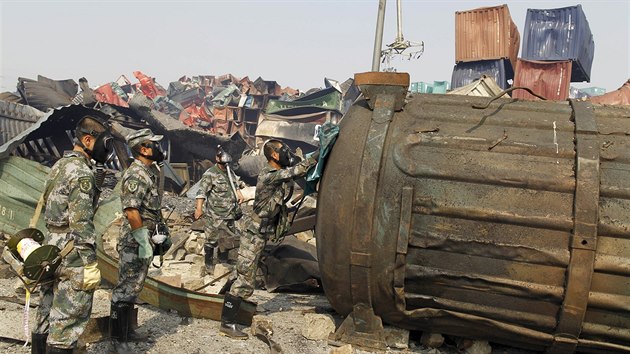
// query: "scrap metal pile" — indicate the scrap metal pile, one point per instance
point(195, 114)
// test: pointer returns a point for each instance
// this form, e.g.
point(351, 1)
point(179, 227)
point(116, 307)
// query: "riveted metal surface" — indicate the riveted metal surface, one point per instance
point(474, 216)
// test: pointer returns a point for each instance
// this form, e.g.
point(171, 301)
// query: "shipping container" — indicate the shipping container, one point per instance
point(550, 79)
point(426, 87)
point(486, 33)
point(421, 87)
point(560, 34)
point(441, 86)
point(466, 73)
point(593, 91)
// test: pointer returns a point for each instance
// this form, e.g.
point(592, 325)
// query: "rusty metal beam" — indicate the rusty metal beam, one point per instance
point(583, 243)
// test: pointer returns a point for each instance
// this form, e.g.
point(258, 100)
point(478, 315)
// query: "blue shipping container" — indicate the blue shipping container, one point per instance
point(440, 86)
point(425, 87)
point(560, 34)
point(465, 73)
point(593, 91)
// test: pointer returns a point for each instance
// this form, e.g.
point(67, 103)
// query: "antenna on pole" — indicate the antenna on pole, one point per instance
point(400, 45)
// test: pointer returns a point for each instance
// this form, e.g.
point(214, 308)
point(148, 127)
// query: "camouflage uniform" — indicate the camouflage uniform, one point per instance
point(64, 307)
point(139, 191)
point(220, 208)
point(272, 188)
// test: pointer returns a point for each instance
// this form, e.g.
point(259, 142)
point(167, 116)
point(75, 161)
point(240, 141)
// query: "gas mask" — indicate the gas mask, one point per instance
point(103, 146)
point(157, 154)
point(222, 156)
point(286, 157)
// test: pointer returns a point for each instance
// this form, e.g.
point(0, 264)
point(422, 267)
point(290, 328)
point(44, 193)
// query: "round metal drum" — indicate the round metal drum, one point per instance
point(509, 223)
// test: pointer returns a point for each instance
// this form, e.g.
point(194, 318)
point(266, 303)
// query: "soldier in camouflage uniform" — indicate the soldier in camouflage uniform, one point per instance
point(269, 221)
point(221, 209)
point(141, 203)
point(70, 193)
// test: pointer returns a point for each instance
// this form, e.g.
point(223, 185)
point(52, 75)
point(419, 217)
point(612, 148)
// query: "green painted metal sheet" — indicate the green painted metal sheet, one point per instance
point(21, 183)
point(330, 101)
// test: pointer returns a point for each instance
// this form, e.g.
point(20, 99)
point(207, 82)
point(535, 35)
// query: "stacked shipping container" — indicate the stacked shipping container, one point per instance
point(425, 87)
point(560, 34)
point(549, 79)
point(558, 49)
point(486, 43)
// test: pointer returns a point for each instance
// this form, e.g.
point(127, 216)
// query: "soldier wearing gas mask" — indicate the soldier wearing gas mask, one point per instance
point(69, 196)
point(220, 189)
point(269, 221)
point(141, 204)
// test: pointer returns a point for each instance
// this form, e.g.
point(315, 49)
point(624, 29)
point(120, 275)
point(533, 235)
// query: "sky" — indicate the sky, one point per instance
point(294, 42)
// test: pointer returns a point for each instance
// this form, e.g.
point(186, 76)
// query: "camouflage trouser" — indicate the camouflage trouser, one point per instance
point(132, 271)
point(249, 252)
point(64, 308)
point(221, 233)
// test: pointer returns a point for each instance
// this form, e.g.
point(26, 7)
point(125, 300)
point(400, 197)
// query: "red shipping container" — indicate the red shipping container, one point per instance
point(549, 79)
point(487, 33)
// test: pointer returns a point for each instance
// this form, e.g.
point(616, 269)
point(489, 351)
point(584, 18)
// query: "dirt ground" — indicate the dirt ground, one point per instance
point(171, 333)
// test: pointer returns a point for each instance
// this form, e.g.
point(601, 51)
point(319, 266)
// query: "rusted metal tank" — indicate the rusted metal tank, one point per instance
point(509, 223)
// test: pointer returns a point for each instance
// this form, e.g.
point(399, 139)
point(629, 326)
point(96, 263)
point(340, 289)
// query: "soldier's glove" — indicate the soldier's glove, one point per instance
point(141, 235)
point(91, 276)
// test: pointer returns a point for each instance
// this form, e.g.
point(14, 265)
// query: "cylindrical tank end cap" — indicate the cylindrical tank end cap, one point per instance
point(375, 83)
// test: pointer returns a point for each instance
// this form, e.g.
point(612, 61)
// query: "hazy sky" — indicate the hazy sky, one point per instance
point(295, 42)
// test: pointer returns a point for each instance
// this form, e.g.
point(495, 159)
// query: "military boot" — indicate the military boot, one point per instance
point(55, 350)
point(119, 328)
point(224, 256)
point(38, 343)
point(226, 287)
point(132, 334)
point(209, 258)
point(231, 305)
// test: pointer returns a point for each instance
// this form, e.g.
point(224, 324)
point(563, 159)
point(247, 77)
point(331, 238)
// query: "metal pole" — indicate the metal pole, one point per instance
point(399, 35)
point(378, 40)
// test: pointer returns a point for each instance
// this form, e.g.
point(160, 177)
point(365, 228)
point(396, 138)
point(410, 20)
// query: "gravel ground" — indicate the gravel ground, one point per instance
point(168, 330)
point(171, 333)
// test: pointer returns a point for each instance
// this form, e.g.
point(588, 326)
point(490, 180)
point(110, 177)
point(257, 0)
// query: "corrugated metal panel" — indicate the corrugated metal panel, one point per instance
point(560, 34)
point(302, 127)
point(51, 126)
point(620, 96)
point(486, 33)
point(548, 79)
point(15, 118)
point(484, 87)
point(326, 99)
point(21, 184)
point(466, 73)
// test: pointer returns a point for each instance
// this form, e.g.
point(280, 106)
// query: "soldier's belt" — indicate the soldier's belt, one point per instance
point(64, 229)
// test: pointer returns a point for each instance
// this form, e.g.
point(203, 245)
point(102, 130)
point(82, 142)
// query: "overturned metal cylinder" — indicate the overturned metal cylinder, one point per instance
point(509, 223)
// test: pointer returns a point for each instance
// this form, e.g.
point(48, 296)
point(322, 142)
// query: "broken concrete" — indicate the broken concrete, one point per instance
point(432, 340)
point(344, 349)
point(317, 326)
